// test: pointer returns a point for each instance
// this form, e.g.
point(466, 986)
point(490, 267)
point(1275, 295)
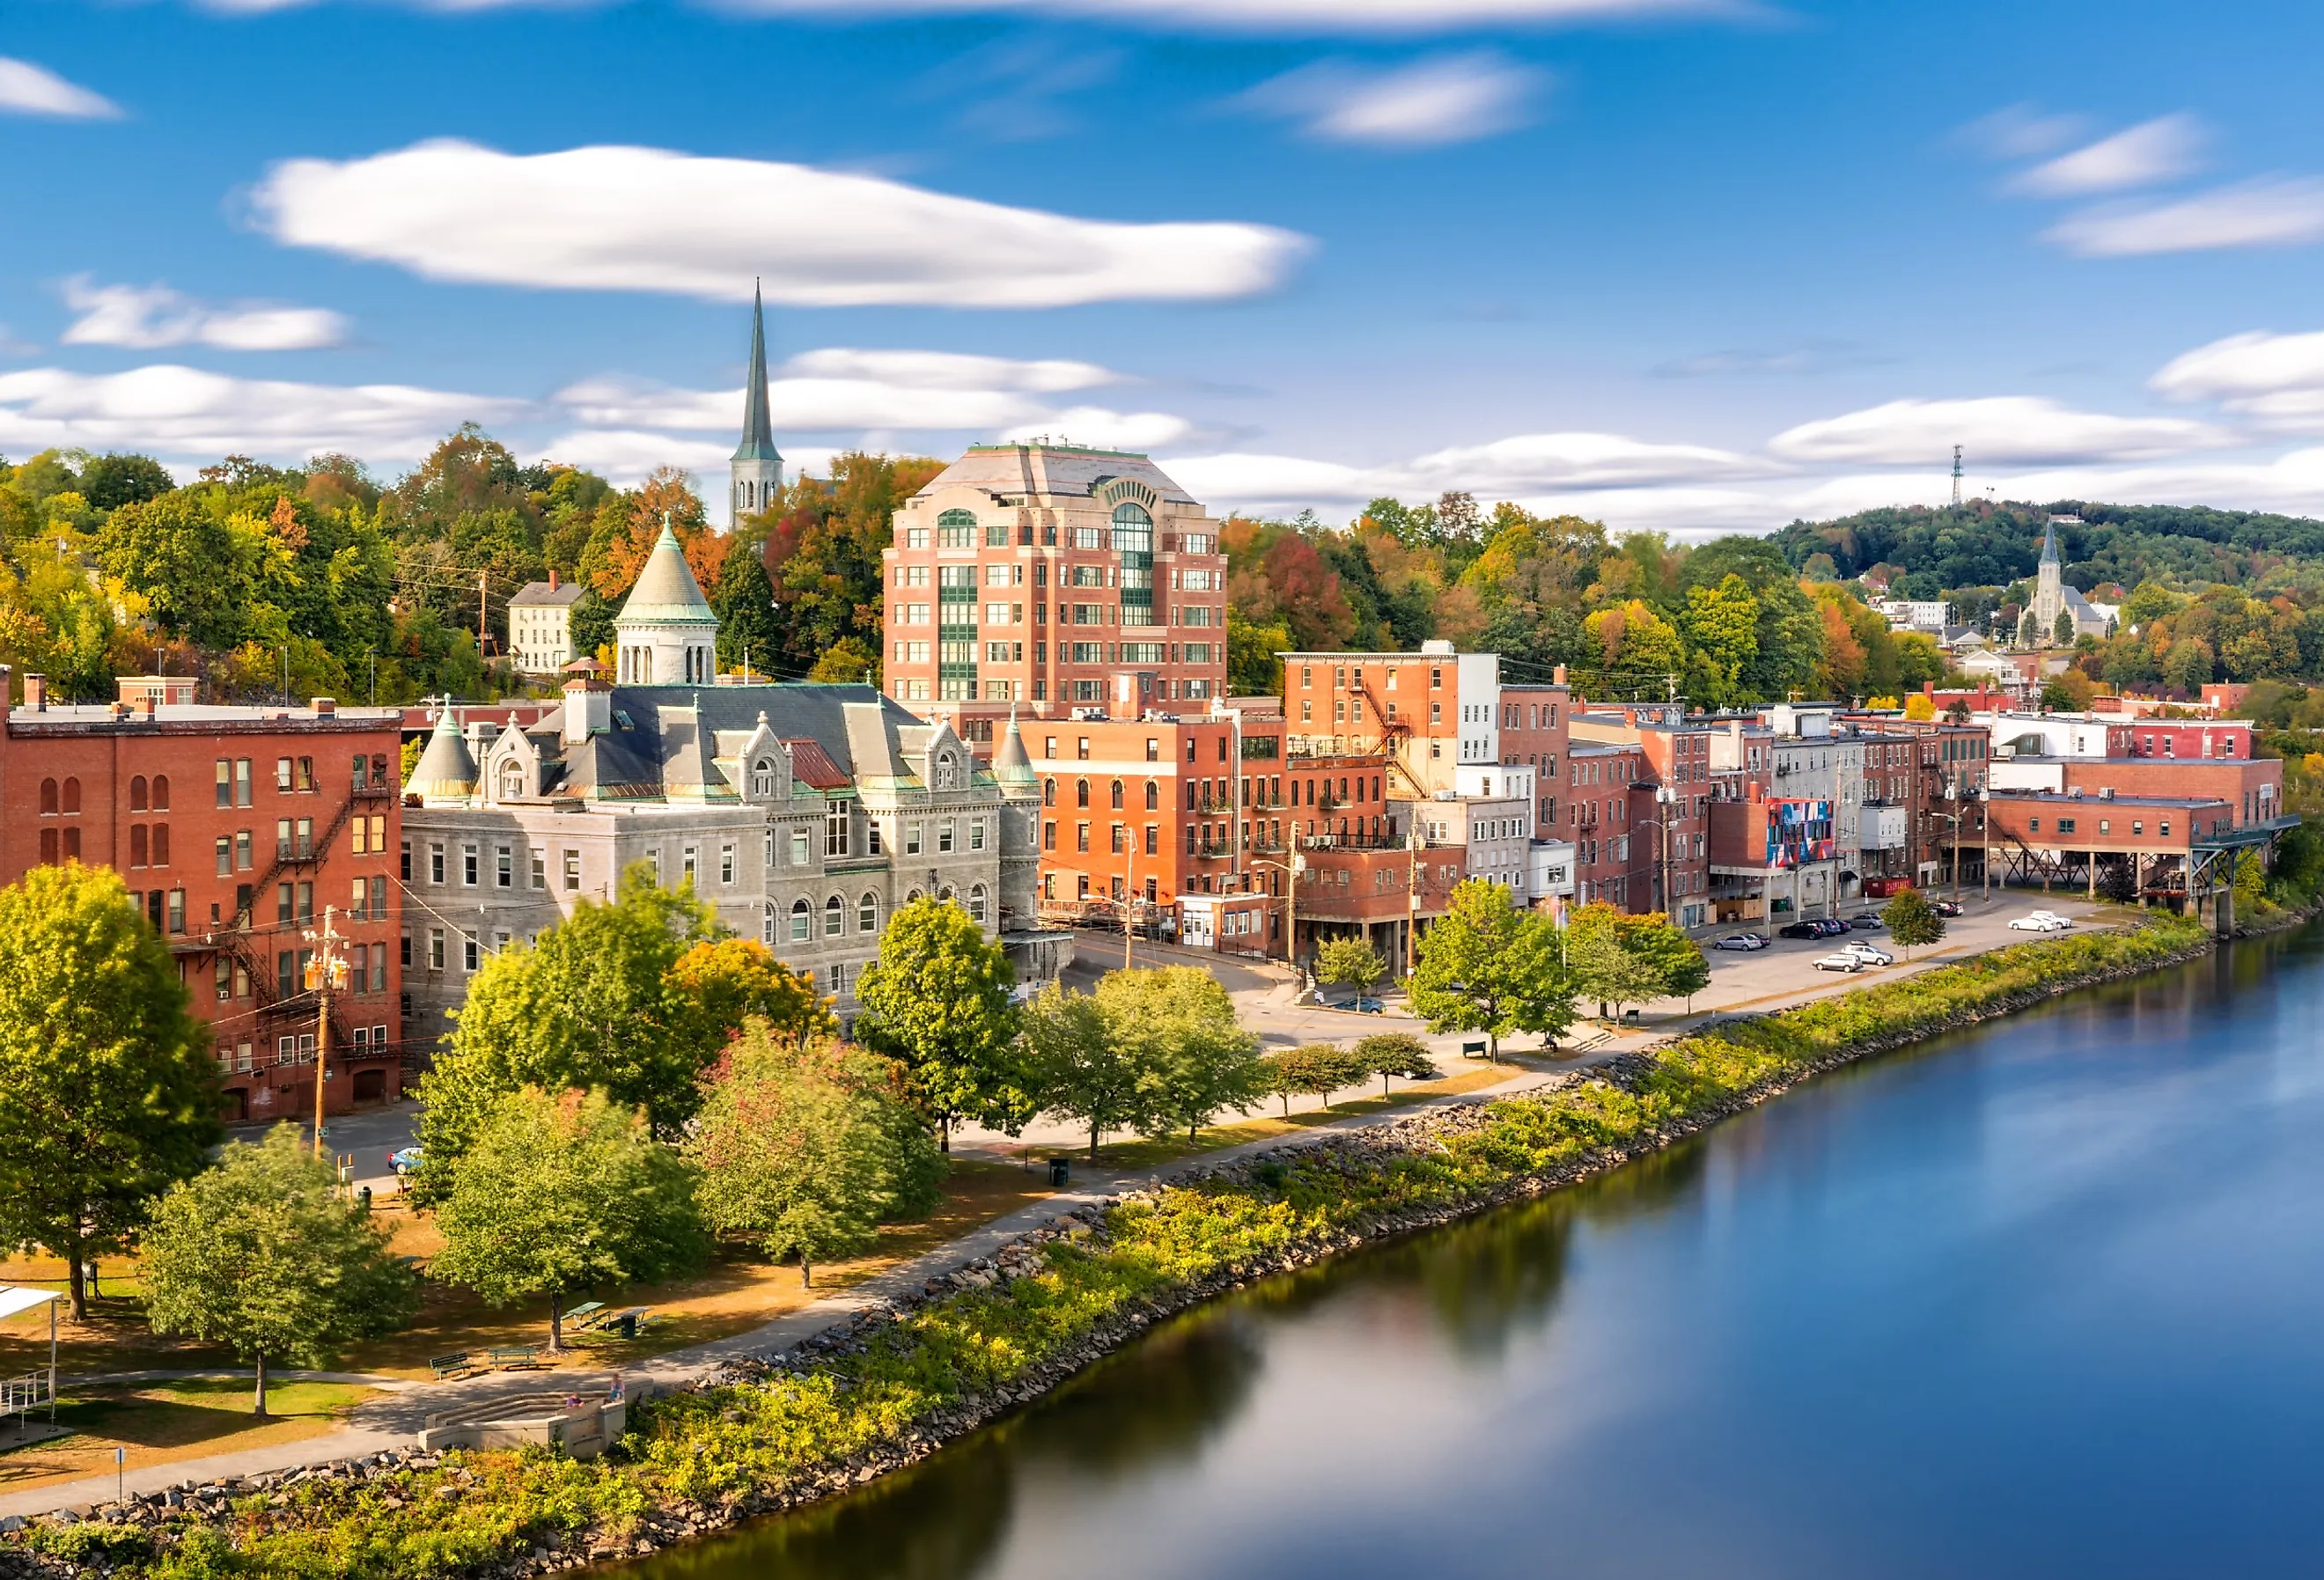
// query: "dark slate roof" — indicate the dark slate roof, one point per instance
point(667, 742)
point(539, 592)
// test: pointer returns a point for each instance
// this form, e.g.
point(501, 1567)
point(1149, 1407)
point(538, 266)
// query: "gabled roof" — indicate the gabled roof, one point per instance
point(665, 592)
point(564, 594)
point(812, 766)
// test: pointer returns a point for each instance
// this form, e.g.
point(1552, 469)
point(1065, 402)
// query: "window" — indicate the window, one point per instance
point(468, 864)
point(835, 917)
point(943, 837)
point(867, 913)
point(225, 856)
point(976, 833)
point(225, 783)
point(241, 781)
point(838, 825)
point(471, 953)
point(762, 777)
point(137, 793)
point(727, 864)
point(435, 948)
point(572, 871)
point(976, 903)
point(282, 775)
point(504, 868)
point(2065, 824)
point(689, 865)
point(540, 868)
point(956, 529)
point(800, 855)
point(799, 922)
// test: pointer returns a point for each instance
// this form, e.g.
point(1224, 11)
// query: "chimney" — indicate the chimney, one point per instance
point(36, 693)
point(552, 578)
point(1557, 676)
point(146, 704)
point(327, 707)
point(589, 709)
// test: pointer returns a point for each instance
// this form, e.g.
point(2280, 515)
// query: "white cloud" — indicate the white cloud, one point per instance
point(1997, 430)
point(2160, 150)
point(1095, 425)
point(951, 370)
point(186, 411)
point(1450, 99)
point(26, 89)
point(2276, 379)
point(2020, 130)
point(2256, 214)
point(125, 315)
point(619, 218)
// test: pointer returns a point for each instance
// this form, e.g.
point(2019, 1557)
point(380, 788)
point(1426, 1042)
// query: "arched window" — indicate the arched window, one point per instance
point(944, 771)
point(913, 898)
point(160, 792)
point(47, 798)
point(73, 796)
point(762, 777)
point(801, 921)
point(976, 903)
point(1117, 795)
point(835, 917)
point(1153, 796)
point(1081, 792)
point(867, 913)
point(137, 793)
point(767, 925)
point(1049, 792)
point(946, 895)
point(956, 529)
point(511, 781)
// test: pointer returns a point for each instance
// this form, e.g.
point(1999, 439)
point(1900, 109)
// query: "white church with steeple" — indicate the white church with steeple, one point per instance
point(755, 480)
point(2052, 597)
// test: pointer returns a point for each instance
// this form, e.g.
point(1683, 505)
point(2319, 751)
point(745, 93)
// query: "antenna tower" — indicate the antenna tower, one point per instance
point(1957, 477)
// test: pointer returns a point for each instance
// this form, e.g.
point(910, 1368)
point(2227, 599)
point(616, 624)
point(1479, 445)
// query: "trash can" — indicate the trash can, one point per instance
point(363, 1198)
point(1058, 1170)
point(627, 1326)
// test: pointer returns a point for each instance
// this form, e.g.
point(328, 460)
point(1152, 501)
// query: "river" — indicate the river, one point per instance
point(2042, 1299)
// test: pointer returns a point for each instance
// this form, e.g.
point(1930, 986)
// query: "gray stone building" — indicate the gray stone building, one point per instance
point(804, 813)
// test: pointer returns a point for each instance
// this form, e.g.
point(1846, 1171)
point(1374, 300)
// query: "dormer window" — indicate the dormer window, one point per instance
point(512, 781)
point(943, 777)
point(762, 777)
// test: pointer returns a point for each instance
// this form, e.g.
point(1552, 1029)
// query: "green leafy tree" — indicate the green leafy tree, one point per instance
point(596, 1004)
point(1486, 967)
point(1253, 670)
point(1605, 968)
point(1679, 964)
point(938, 999)
point(1315, 1070)
point(1350, 962)
point(1722, 627)
point(1079, 1069)
point(108, 1090)
point(563, 1192)
point(1394, 1053)
point(848, 661)
point(2063, 632)
point(260, 1253)
point(806, 1147)
point(1912, 921)
point(1196, 1061)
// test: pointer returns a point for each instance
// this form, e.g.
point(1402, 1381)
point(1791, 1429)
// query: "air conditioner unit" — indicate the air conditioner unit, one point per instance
point(2106, 792)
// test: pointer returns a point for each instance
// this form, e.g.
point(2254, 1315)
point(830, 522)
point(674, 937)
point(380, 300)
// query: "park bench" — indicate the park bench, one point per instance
point(460, 1365)
point(515, 1357)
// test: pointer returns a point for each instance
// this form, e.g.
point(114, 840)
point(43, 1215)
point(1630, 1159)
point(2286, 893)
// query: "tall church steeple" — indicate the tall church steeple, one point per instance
point(758, 466)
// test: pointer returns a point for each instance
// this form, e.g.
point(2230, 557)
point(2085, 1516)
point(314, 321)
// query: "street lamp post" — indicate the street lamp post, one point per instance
point(1414, 844)
point(325, 972)
point(1290, 870)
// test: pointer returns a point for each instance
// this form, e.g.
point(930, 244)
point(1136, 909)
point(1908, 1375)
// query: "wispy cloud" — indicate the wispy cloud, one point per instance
point(1287, 16)
point(620, 218)
point(1448, 98)
point(1996, 429)
point(2020, 130)
point(1818, 356)
point(155, 316)
point(2276, 379)
point(2279, 213)
point(184, 412)
point(2157, 151)
point(26, 89)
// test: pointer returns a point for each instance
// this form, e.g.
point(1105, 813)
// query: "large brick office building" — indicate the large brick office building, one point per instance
point(234, 828)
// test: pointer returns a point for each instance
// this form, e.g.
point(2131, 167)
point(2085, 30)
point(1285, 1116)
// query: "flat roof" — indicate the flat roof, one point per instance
point(2058, 798)
point(16, 1298)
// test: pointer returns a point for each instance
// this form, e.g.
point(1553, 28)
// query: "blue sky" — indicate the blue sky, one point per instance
point(1699, 267)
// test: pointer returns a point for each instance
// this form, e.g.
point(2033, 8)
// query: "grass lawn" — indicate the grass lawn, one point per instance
point(737, 1293)
point(162, 1422)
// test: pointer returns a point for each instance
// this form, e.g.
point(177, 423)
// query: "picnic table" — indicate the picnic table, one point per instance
point(584, 1316)
point(622, 1324)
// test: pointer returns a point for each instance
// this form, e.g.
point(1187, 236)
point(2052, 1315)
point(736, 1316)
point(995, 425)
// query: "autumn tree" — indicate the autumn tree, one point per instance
point(938, 1000)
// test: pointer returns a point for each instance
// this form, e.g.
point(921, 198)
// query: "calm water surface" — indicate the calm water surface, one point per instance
point(2047, 1300)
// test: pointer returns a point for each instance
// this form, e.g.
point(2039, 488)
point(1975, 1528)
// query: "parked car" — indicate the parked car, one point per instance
point(1365, 1004)
point(1869, 954)
point(1868, 922)
point(1944, 908)
point(404, 1160)
point(1833, 928)
point(1742, 941)
point(1801, 930)
point(2053, 916)
point(1840, 962)
point(2039, 923)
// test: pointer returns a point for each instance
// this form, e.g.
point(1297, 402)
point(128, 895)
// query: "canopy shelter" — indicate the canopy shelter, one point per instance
point(21, 1395)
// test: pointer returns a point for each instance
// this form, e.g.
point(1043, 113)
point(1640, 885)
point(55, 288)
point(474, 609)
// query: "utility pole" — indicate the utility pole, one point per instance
point(1414, 844)
point(480, 617)
point(325, 972)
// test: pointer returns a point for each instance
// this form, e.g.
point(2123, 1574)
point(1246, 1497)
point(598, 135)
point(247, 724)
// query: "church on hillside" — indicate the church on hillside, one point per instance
point(2052, 597)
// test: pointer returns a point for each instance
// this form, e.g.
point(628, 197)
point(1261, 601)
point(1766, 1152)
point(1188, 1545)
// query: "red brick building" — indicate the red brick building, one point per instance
point(234, 828)
point(1669, 864)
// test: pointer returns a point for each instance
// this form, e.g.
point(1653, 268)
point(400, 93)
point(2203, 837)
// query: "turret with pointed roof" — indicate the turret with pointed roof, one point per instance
point(667, 633)
point(447, 768)
point(758, 466)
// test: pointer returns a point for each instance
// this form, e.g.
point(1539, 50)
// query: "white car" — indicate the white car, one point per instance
point(1742, 941)
point(2041, 921)
point(2051, 916)
point(1843, 961)
point(1870, 953)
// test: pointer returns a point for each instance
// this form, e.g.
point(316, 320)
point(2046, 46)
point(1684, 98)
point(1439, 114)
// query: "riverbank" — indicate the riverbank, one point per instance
point(904, 1379)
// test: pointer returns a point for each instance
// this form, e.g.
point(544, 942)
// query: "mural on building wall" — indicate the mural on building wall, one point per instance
point(1798, 832)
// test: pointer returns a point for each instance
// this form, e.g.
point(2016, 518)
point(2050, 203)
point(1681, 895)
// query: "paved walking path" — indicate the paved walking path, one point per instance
point(395, 1420)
